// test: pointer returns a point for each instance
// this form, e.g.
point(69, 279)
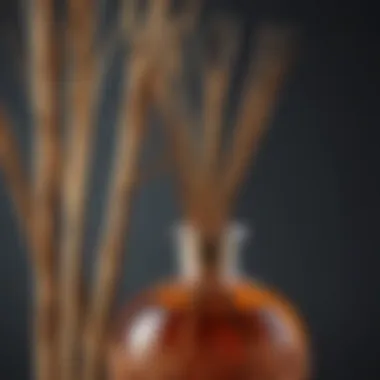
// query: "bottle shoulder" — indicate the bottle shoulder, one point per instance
point(165, 319)
point(244, 296)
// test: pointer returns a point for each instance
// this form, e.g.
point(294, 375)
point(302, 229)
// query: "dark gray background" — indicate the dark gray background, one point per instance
point(312, 199)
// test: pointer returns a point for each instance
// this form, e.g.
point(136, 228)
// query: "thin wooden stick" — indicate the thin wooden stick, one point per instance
point(116, 222)
point(84, 80)
point(127, 26)
point(270, 67)
point(216, 83)
point(14, 173)
point(181, 144)
point(200, 199)
point(178, 128)
point(44, 108)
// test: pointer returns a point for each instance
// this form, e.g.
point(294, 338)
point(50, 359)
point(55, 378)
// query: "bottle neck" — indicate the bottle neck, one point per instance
point(196, 256)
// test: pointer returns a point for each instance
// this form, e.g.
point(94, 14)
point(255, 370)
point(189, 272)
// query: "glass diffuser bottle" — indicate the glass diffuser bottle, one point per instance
point(209, 323)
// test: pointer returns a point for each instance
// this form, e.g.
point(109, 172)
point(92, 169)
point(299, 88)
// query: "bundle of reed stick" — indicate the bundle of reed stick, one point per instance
point(70, 318)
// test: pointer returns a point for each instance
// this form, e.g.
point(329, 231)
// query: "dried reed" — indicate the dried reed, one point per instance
point(206, 188)
point(216, 78)
point(130, 134)
point(83, 88)
point(43, 76)
point(269, 68)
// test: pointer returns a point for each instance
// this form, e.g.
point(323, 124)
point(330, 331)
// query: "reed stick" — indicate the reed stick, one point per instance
point(217, 73)
point(126, 28)
point(199, 196)
point(14, 173)
point(178, 133)
point(83, 92)
point(46, 155)
point(270, 65)
point(116, 222)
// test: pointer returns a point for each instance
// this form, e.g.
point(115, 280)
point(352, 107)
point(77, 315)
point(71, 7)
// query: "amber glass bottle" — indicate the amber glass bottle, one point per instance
point(208, 324)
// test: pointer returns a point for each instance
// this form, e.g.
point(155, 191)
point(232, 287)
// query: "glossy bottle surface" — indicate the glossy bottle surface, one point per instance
point(230, 329)
point(241, 332)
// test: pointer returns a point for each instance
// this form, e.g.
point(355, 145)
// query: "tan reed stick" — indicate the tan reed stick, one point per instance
point(125, 177)
point(127, 26)
point(208, 203)
point(116, 221)
point(14, 173)
point(83, 93)
point(178, 132)
point(272, 60)
point(178, 126)
point(198, 199)
point(46, 154)
point(199, 196)
point(216, 81)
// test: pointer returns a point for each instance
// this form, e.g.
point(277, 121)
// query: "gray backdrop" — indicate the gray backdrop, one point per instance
point(312, 198)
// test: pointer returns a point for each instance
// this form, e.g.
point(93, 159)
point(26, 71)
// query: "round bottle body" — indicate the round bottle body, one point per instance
point(197, 327)
point(236, 332)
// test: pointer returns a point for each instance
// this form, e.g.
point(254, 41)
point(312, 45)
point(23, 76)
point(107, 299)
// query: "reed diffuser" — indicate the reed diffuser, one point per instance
point(209, 322)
